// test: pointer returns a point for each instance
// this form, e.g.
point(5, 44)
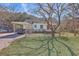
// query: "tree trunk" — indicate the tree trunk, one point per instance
point(53, 33)
point(75, 33)
point(59, 34)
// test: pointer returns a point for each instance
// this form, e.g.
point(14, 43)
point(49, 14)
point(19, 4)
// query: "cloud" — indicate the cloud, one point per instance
point(24, 6)
point(4, 4)
point(13, 6)
point(18, 7)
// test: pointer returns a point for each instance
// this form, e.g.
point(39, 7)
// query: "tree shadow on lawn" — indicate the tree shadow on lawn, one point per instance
point(45, 46)
point(49, 46)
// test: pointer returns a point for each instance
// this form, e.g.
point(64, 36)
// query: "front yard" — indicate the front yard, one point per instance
point(33, 46)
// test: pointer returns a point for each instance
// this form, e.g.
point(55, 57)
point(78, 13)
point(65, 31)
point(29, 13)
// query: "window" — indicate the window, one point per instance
point(35, 26)
point(41, 26)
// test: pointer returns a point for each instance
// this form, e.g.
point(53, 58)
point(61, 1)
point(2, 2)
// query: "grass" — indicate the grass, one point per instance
point(30, 46)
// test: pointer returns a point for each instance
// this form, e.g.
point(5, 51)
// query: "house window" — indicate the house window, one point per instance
point(35, 26)
point(41, 26)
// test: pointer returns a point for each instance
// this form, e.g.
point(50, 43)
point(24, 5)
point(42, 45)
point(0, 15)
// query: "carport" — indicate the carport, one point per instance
point(25, 25)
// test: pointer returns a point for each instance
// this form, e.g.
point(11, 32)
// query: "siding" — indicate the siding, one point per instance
point(37, 28)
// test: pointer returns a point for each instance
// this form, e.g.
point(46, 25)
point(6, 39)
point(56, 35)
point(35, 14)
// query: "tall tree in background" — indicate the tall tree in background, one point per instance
point(73, 13)
point(4, 16)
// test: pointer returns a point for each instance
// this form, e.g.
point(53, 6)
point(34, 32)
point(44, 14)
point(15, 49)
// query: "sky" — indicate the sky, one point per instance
point(19, 7)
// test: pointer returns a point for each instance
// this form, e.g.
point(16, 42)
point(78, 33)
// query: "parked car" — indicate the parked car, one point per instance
point(2, 30)
point(20, 31)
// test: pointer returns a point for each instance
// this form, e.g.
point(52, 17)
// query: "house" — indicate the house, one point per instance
point(39, 27)
point(34, 25)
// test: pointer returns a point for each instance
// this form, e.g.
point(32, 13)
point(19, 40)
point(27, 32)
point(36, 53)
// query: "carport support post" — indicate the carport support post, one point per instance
point(25, 26)
point(14, 27)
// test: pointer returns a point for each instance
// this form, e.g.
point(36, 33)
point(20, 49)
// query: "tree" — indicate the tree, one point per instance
point(48, 12)
point(4, 17)
point(73, 13)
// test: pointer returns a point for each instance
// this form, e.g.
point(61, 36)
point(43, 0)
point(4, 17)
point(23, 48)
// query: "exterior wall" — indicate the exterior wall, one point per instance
point(27, 26)
point(38, 28)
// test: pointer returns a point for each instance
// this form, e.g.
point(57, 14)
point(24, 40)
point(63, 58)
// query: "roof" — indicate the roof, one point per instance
point(20, 23)
point(35, 20)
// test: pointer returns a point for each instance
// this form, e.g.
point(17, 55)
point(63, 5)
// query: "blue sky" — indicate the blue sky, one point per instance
point(22, 7)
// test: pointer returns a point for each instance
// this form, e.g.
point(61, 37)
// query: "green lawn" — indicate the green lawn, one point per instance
point(33, 46)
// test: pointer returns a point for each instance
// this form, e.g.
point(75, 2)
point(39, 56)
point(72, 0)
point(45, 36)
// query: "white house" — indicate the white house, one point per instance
point(39, 27)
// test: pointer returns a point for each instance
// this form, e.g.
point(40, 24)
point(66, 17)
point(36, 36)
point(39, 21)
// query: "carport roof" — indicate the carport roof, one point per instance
point(20, 23)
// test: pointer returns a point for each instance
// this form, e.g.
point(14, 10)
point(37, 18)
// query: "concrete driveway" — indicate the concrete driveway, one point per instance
point(5, 43)
point(6, 34)
point(6, 40)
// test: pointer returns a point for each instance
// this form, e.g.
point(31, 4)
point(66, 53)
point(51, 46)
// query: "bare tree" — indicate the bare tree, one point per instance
point(73, 13)
point(48, 12)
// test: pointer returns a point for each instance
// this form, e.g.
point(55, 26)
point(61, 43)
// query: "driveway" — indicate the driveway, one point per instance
point(5, 43)
point(6, 40)
point(12, 35)
point(6, 34)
